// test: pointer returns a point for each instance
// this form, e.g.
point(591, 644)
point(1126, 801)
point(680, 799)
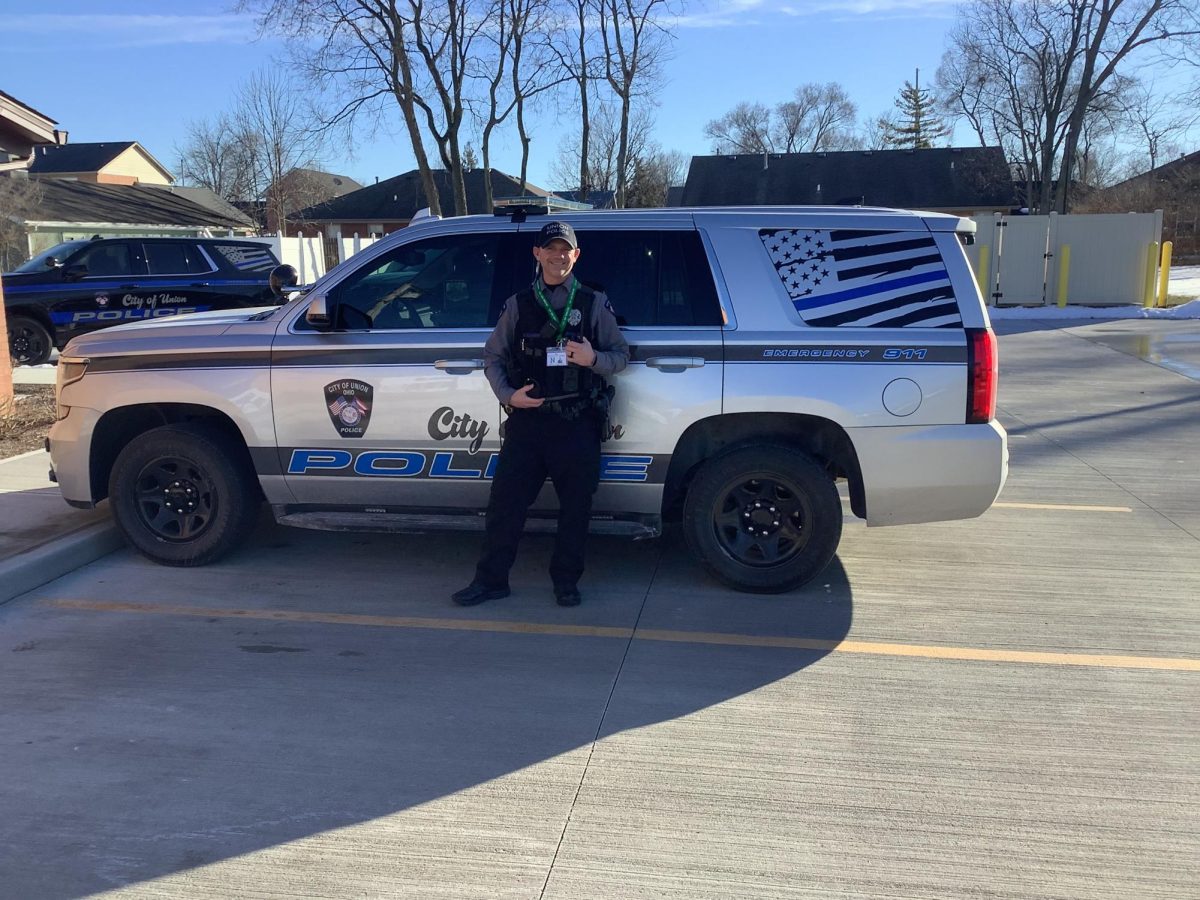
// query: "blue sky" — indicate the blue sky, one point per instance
point(141, 70)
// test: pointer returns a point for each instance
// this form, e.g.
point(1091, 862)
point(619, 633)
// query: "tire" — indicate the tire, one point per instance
point(29, 343)
point(184, 495)
point(763, 519)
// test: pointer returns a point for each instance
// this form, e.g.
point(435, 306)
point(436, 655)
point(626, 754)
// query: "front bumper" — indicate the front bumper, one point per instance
point(69, 443)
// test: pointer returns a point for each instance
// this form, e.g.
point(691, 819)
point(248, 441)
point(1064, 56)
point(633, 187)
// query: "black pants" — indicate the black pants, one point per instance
point(538, 443)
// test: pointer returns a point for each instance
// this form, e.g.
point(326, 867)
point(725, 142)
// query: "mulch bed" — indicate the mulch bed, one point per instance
point(25, 428)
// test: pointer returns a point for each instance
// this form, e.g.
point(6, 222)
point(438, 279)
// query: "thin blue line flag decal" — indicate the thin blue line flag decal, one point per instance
point(875, 279)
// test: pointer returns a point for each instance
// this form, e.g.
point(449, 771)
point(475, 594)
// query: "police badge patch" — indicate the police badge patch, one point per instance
point(349, 405)
point(575, 317)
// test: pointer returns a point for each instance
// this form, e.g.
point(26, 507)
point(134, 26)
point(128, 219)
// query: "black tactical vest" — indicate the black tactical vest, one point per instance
point(561, 386)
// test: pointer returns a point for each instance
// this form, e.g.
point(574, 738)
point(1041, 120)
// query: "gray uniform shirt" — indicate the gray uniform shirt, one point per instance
point(612, 352)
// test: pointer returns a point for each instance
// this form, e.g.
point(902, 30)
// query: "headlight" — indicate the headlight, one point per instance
point(70, 370)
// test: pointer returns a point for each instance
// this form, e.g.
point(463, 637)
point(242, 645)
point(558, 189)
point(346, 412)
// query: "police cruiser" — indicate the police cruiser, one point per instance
point(79, 286)
point(775, 351)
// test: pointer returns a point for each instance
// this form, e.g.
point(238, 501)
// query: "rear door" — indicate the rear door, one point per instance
point(662, 291)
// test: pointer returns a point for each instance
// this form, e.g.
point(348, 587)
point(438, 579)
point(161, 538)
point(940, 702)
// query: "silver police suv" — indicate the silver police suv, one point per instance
point(775, 351)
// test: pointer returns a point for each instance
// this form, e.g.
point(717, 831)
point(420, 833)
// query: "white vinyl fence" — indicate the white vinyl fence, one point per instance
point(1098, 260)
point(308, 254)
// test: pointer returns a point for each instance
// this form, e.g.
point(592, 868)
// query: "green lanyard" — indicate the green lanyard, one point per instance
point(559, 320)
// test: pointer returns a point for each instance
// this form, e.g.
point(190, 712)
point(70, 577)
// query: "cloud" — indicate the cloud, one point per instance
point(727, 13)
point(129, 30)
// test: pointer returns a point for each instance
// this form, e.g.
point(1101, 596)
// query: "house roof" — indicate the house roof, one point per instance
point(11, 99)
point(1181, 166)
point(80, 201)
point(398, 199)
point(85, 157)
point(327, 182)
point(206, 198)
point(938, 178)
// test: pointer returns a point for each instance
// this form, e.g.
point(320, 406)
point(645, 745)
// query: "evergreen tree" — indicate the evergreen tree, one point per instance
point(919, 124)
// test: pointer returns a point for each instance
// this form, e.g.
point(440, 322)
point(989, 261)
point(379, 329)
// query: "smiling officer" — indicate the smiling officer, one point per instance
point(546, 361)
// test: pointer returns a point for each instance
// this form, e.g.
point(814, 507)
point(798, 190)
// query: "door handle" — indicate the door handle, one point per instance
point(459, 366)
point(199, 284)
point(675, 363)
point(128, 287)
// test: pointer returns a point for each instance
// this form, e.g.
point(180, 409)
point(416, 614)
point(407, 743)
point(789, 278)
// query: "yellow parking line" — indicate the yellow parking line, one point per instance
point(973, 654)
point(1069, 506)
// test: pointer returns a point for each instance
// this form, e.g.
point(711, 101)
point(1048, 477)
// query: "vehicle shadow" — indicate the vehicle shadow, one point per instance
point(137, 746)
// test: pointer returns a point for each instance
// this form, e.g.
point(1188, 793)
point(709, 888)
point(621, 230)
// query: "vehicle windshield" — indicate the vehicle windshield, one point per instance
point(58, 251)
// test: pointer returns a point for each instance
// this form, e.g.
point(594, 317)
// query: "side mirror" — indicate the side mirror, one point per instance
point(72, 272)
point(317, 314)
point(51, 262)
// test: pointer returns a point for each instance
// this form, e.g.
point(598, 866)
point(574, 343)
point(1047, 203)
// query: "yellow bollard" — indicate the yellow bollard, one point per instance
point(1151, 262)
point(981, 275)
point(1164, 272)
point(1064, 269)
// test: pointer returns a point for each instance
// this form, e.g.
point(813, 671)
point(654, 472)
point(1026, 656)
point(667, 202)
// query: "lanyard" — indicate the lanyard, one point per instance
point(559, 320)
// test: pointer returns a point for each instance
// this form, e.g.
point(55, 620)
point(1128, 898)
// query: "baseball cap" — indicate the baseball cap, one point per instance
point(557, 231)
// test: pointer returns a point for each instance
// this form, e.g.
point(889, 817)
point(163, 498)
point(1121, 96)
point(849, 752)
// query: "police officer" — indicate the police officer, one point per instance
point(546, 361)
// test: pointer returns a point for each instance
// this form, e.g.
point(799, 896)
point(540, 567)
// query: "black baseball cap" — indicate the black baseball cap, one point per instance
point(557, 231)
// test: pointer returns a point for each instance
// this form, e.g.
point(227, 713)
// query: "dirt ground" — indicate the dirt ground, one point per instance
point(25, 428)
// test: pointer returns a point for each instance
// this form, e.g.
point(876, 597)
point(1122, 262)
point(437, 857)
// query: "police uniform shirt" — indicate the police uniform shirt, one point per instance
point(612, 351)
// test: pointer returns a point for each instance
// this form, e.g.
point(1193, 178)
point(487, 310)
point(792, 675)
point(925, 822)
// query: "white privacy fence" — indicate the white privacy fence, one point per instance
point(1096, 260)
point(311, 255)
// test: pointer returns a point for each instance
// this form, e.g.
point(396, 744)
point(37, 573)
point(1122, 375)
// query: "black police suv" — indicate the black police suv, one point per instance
point(79, 286)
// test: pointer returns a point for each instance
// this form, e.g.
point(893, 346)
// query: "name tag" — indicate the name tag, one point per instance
point(556, 356)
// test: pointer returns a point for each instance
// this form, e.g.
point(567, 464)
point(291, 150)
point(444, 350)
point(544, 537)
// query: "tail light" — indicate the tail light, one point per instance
point(982, 375)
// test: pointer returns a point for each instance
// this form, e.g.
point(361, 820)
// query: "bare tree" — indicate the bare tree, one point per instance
point(1040, 67)
point(818, 117)
point(359, 50)
point(270, 119)
point(520, 69)
point(579, 53)
point(213, 156)
point(653, 175)
point(747, 128)
point(635, 48)
point(603, 163)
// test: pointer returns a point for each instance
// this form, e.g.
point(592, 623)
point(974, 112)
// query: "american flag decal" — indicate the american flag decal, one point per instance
point(874, 279)
point(245, 259)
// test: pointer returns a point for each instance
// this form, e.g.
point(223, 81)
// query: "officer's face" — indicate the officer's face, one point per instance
point(556, 260)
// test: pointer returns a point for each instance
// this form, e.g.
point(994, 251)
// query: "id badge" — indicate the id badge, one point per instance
point(556, 356)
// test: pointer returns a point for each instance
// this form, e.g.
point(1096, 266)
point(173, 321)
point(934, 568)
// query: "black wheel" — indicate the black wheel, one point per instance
point(29, 342)
point(763, 519)
point(184, 495)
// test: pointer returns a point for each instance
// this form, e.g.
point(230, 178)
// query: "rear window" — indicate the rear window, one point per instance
point(652, 278)
point(253, 259)
point(870, 279)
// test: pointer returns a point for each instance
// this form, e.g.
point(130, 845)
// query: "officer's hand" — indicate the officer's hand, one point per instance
point(522, 400)
point(580, 352)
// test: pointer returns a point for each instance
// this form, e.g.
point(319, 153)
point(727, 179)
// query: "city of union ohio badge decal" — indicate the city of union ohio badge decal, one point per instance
point(349, 405)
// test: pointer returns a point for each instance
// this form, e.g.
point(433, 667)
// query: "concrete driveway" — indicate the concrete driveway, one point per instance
point(1003, 707)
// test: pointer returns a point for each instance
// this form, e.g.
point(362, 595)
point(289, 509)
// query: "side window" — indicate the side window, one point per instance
point(442, 282)
point(167, 259)
point(654, 278)
point(107, 258)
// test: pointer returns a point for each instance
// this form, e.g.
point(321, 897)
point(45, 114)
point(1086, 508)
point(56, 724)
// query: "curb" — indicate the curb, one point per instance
point(56, 557)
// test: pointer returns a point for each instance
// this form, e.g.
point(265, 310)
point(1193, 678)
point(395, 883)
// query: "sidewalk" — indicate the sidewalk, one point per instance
point(41, 537)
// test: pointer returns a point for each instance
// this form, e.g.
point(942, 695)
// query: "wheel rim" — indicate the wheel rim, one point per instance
point(25, 343)
point(176, 499)
point(762, 520)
